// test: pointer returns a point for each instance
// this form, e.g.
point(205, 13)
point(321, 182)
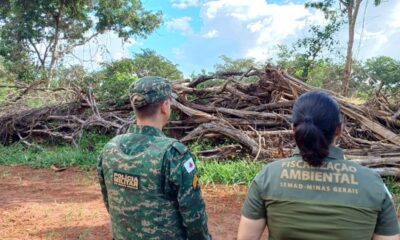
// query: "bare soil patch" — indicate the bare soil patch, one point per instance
point(44, 204)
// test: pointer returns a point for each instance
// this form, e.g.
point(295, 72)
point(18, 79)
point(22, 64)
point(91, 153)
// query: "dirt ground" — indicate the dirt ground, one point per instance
point(44, 204)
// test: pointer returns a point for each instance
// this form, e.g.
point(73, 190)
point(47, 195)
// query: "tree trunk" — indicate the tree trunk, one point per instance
point(352, 18)
point(54, 53)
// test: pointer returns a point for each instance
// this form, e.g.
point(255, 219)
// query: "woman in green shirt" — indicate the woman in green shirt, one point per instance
point(317, 194)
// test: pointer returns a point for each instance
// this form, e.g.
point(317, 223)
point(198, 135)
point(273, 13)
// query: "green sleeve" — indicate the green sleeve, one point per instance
point(386, 223)
point(182, 182)
point(254, 207)
point(100, 174)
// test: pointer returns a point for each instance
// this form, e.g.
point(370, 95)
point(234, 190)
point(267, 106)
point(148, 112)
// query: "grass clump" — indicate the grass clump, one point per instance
point(393, 186)
point(235, 170)
point(230, 172)
point(59, 154)
point(49, 154)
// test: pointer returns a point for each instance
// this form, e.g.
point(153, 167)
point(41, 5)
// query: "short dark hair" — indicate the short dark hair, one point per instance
point(149, 110)
point(315, 117)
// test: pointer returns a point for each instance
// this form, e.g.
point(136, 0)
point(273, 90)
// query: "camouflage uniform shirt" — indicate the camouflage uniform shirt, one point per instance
point(149, 186)
point(338, 200)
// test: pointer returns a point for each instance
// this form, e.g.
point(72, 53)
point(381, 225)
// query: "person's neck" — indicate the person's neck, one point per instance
point(150, 122)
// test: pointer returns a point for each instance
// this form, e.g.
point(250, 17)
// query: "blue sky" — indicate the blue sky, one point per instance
point(195, 33)
point(193, 39)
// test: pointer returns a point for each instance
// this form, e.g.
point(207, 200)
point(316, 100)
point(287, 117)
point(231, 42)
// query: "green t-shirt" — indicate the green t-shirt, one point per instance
point(339, 200)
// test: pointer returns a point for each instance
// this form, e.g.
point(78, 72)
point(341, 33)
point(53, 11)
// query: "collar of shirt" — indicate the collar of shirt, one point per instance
point(335, 153)
point(146, 130)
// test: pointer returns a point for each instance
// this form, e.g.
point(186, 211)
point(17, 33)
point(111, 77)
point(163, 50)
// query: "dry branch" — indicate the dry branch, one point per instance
point(225, 130)
point(223, 152)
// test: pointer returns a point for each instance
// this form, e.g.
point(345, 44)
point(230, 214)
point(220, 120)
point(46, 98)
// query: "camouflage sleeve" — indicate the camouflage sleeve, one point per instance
point(183, 179)
point(100, 174)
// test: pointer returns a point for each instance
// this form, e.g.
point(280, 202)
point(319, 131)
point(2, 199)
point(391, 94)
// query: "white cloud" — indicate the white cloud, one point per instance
point(178, 53)
point(181, 24)
point(211, 34)
point(381, 31)
point(395, 17)
point(258, 53)
point(182, 4)
point(255, 28)
point(378, 38)
point(105, 48)
point(234, 8)
point(254, 9)
point(257, 25)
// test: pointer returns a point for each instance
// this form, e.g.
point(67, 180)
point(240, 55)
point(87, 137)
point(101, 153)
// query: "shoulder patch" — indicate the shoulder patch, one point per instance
point(195, 182)
point(189, 165)
point(180, 147)
point(126, 180)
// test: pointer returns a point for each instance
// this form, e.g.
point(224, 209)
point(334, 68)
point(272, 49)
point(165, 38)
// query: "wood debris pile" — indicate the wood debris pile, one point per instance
point(251, 109)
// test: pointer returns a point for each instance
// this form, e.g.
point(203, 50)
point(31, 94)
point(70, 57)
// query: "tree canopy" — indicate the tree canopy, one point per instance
point(47, 30)
point(149, 63)
point(384, 70)
point(118, 75)
point(234, 65)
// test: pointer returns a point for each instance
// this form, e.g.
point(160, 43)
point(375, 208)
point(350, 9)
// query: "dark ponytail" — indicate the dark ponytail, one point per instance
point(316, 116)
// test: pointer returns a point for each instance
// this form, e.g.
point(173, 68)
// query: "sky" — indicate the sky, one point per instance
point(195, 33)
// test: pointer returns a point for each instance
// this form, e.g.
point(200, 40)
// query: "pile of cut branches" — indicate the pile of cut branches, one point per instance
point(251, 109)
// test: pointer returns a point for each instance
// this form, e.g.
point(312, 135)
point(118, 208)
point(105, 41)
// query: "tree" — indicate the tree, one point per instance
point(47, 30)
point(149, 63)
point(351, 9)
point(320, 39)
point(375, 73)
point(385, 71)
point(114, 80)
point(290, 60)
point(234, 65)
point(5, 82)
point(322, 72)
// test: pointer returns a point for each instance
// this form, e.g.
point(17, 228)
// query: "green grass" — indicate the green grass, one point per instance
point(230, 172)
point(394, 187)
point(63, 155)
point(233, 171)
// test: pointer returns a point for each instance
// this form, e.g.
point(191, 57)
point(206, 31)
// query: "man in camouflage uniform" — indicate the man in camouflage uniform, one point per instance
point(149, 181)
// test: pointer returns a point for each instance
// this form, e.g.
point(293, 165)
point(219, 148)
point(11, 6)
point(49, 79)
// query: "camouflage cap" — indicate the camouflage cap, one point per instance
point(148, 90)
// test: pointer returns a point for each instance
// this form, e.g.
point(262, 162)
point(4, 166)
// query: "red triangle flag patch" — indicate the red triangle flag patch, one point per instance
point(189, 165)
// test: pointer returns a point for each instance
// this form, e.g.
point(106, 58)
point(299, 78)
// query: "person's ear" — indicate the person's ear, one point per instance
point(338, 130)
point(165, 107)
